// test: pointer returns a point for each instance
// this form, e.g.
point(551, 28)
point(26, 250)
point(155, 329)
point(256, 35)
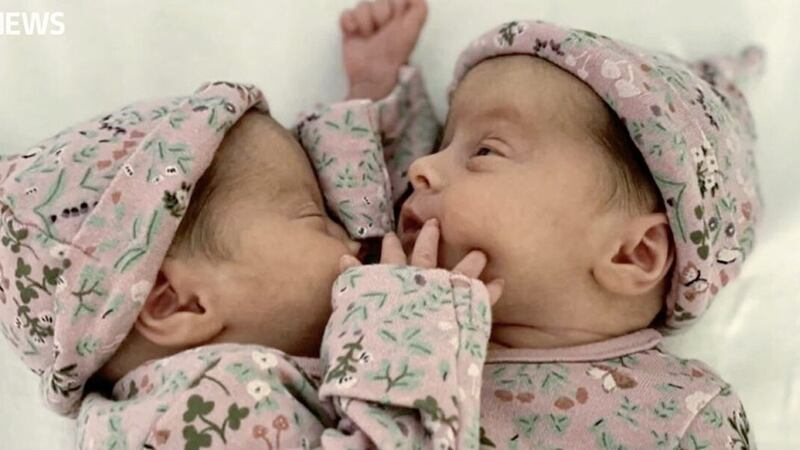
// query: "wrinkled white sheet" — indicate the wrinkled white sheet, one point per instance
point(115, 52)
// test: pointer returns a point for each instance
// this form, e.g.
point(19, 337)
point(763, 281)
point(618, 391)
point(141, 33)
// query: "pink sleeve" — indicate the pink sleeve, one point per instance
point(361, 151)
point(404, 353)
point(408, 125)
point(721, 423)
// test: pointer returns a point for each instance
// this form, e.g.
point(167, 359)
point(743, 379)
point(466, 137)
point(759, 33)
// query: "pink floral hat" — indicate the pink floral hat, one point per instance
point(87, 217)
point(694, 129)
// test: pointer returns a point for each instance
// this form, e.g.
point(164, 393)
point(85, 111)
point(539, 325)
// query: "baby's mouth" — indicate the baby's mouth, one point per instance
point(410, 225)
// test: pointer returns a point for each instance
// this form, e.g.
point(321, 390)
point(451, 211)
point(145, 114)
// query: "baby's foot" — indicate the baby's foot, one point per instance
point(377, 40)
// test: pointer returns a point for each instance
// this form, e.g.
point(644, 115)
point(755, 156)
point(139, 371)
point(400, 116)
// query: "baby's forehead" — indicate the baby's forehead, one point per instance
point(264, 162)
point(529, 89)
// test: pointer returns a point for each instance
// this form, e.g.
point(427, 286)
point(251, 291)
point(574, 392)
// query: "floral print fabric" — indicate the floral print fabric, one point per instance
point(86, 218)
point(403, 353)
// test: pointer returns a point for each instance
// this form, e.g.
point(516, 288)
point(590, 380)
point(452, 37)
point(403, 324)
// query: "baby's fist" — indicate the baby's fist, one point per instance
point(377, 40)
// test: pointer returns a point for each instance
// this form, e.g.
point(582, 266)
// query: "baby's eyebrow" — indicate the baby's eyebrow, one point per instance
point(504, 111)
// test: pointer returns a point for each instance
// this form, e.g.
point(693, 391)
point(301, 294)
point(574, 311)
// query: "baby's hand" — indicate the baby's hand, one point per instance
point(377, 39)
point(425, 255)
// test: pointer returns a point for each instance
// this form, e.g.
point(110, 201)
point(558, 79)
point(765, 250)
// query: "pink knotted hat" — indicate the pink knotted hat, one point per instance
point(87, 217)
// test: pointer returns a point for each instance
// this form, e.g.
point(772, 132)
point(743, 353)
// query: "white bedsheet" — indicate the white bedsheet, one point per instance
point(114, 52)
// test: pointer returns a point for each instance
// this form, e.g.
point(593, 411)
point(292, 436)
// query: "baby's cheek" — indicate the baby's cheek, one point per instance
point(465, 227)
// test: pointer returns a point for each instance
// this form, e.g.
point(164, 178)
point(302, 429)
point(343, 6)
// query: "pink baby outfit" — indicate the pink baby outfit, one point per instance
point(395, 378)
point(696, 134)
point(87, 218)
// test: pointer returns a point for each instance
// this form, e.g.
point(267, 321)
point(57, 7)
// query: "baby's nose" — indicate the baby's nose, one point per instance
point(424, 175)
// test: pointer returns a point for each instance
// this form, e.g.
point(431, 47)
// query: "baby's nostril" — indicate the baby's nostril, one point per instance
point(421, 182)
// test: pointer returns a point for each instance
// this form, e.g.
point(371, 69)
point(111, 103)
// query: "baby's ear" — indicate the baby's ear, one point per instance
point(180, 311)
point(639, 256)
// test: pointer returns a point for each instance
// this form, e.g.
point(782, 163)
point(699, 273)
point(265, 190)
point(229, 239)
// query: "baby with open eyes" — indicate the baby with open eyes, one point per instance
point(613, 189)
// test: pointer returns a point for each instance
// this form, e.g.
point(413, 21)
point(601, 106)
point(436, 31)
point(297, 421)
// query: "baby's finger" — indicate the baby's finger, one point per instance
point(425, 253)
point(418, 9)
point(392, 250)
point(495, 288)
point(348, 261)
point(363, 16)
point(348, 23)
point(471, 265)
point(381, 12)
point(399, 7)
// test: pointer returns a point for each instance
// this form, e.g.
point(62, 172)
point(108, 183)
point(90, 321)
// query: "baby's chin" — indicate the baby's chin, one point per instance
point(449, 256)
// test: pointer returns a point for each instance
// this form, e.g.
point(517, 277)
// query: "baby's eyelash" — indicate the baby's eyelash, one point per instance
point(489, 151)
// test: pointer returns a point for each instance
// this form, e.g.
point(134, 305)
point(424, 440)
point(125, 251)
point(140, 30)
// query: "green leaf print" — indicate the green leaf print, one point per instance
point(604, 439)
point(404, 377)
point(52, 195)
point(136, 251)
point(430, 407)
point(410, 339)
point(712, 417)
point(116, 439)
point(520, 379)
point(194, 439)
point(559, 423)
point(175, 382)
point(662, 440)
point(23, 269)
point(62, 381)
point(212, 363)
point(346, 179)
point(627, 411)
point(90, 286)
point(344, 210)
point(668, 387)
point(235, 416)
point(197, 409)
point(87, 345)
point(410, 279)
point(13, 239)
point(665, 409)
point(39, 327)
point(741, 426)
point(359, 309)
point(526, 424)
point(695, 442)
point(241, 371)
point(431, 300)
point(86, 154)
point(265, 404)
point(346, 363)
point(555, 375)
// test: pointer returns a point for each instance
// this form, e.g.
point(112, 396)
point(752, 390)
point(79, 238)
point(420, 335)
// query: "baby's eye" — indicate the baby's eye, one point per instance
point(486, 151)
point(315, 216)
